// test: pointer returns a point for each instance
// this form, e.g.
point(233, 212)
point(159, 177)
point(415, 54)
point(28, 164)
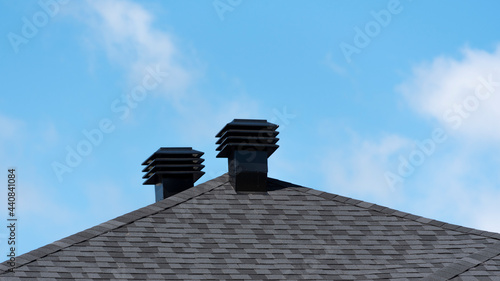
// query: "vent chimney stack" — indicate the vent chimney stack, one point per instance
point(247, 143)
point(172, 170)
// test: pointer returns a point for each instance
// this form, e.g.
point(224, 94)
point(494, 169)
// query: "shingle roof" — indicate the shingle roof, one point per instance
point(209, 232)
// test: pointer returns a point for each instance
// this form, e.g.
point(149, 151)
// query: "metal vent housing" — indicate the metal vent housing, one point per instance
point(247, 143)
point(172, 170)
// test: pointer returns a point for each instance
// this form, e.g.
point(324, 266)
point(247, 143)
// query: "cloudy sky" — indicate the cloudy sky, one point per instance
point(391, 102)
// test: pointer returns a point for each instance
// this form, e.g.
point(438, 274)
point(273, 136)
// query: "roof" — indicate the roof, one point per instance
point(209, 232)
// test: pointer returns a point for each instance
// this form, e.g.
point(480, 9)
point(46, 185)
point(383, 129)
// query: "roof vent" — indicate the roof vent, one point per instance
point(247, 143)
point(172, 170)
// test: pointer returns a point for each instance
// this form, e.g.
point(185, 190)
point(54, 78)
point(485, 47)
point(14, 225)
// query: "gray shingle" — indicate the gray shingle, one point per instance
point(209, 232)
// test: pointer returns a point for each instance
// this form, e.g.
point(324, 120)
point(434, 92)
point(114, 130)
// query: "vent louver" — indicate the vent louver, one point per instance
point(247, 143)
point(172, 170)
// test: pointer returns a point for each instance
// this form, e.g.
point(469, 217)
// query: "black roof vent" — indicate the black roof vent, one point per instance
point(172, 170)
point(247, 143)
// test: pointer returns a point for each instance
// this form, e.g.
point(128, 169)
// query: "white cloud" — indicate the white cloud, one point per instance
point(130, 37)
point(359, 169)
point(452, 187)
point(486, 216)
point(463, 95)
point(454, 92)
point(454, 192)
point(127, 31)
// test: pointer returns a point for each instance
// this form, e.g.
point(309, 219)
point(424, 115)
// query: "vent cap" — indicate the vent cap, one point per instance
point(172, 170)
point(247, 143)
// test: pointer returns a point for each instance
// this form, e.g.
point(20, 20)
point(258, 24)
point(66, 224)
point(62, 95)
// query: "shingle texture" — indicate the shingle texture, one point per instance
point(210, 232)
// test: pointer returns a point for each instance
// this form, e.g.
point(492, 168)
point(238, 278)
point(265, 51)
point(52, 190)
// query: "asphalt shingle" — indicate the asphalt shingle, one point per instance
point(209, 232)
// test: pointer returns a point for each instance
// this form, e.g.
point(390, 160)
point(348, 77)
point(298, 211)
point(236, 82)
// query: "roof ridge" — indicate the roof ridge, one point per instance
point(466, 263)
point(117, 222)
point(389, 211)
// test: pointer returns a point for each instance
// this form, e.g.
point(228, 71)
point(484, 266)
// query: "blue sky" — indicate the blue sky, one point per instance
point(392, 102)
